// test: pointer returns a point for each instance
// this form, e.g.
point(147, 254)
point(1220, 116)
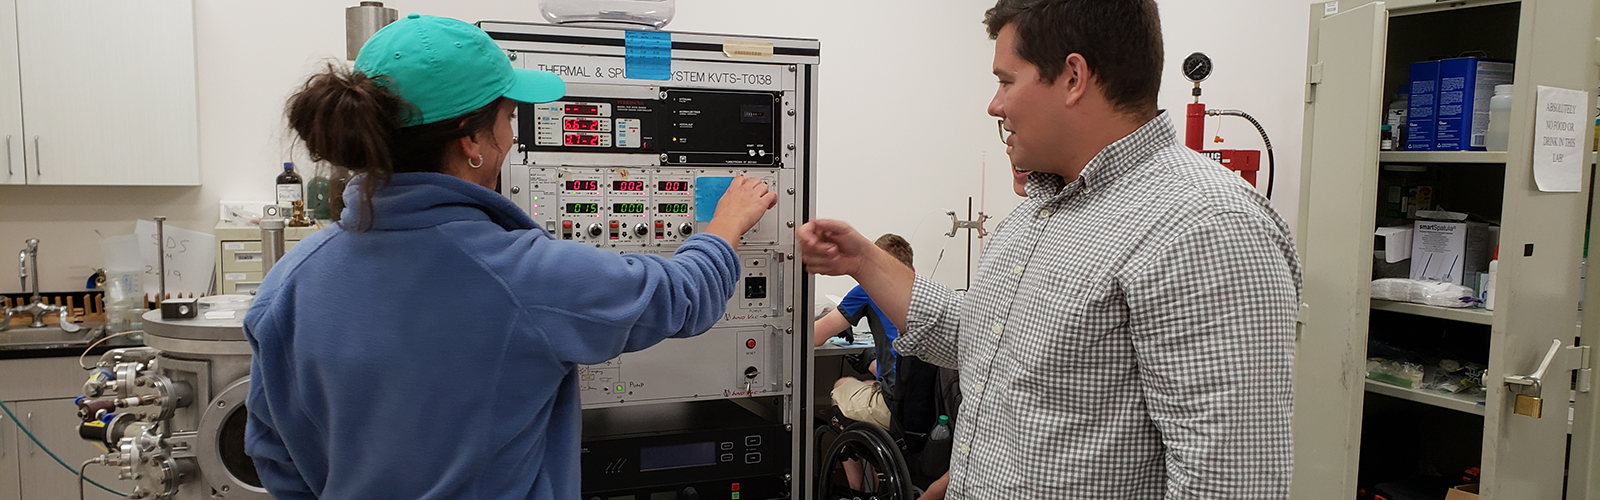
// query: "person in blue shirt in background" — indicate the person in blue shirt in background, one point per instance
point(858, 400)
point(426, 347)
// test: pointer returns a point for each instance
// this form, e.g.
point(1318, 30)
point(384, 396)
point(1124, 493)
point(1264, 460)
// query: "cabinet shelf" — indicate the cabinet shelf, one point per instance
point(1459, 403)
point(1465, 314)
point(1442, 157)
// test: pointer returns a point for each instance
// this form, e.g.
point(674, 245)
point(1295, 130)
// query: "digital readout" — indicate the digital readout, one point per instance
point(582, 140)
point(582, 109)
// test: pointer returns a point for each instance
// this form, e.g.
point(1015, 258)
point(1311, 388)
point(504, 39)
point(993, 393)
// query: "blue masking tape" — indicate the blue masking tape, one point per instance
point(707, 192)
point(648, 55)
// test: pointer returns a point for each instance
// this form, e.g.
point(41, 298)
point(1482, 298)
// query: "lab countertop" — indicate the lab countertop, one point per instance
point(51, 341)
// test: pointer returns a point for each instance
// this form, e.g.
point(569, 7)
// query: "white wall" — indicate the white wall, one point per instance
point(903, 133)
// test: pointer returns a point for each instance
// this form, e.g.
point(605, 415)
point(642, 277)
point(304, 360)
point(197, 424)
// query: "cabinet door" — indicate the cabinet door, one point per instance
point(1541, 244)
point(1343, 111)
point(55, 423)
point(10, 481)
point(108, 88)
point(13, 171)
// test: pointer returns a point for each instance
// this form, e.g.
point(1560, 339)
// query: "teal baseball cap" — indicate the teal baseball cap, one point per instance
point(447, 68)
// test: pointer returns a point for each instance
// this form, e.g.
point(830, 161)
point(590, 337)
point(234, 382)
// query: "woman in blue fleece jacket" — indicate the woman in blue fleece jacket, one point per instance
point(426, 347)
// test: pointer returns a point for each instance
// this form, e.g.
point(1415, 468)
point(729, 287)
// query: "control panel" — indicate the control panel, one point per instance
point(637, 206)
point(579, 186)
point(683, 127)
point(681, 451)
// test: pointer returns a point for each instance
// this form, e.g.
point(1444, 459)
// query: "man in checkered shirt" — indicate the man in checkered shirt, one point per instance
point(1131, 331)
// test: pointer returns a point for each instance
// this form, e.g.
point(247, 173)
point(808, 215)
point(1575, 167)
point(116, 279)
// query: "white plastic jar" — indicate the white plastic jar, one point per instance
point(1499, 135)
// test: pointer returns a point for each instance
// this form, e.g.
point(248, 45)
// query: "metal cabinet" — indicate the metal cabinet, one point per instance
point(10, 478)
point(98, 92)
point(1357, 56)
point(53, 422)
point(40, 391)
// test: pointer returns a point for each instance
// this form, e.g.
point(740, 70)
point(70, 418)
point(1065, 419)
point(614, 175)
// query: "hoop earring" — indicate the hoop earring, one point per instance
point(479, 164)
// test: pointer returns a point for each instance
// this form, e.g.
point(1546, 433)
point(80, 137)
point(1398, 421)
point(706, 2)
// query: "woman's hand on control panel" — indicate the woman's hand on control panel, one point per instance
point(741, 207)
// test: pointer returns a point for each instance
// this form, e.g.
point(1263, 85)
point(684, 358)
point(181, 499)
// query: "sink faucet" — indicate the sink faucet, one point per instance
point(36, 307)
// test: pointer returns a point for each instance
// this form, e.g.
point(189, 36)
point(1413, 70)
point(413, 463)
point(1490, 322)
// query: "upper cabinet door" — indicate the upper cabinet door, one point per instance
point(12, 170)
point(108, 92)
point(1343, 112)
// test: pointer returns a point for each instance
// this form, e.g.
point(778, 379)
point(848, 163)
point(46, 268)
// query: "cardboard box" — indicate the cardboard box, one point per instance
point(1451, 252)
point(1421, 127)
point(1463, 492)
point(1462, 106)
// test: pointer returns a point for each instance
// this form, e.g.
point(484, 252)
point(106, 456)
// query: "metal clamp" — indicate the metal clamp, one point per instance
point(957, 224)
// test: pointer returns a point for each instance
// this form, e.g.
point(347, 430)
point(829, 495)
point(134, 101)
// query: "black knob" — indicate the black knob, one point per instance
point(689, 494)
point(751, 372)
point(594, 230)
point(641, 230)
point(686, 229)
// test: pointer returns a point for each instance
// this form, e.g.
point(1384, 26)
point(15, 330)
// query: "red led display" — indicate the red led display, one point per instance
point(673, 185)
point(583, 185)
point(627, 185)
point(582, 140)
point(582, 109)
point(588, 124)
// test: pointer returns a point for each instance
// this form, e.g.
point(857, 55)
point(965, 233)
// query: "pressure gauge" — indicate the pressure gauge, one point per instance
point(1196, 67)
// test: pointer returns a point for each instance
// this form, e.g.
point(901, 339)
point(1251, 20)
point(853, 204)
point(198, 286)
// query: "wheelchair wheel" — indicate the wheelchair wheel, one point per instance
point(884, 472)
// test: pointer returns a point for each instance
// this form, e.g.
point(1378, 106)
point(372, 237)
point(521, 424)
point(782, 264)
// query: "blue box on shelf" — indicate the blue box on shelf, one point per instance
point(1421, 127)
point(1465, 86)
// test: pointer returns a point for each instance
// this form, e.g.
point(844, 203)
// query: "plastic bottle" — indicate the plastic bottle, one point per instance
point(289, 188)
point(1386, 138)
point(1488, 288)
point(639, 13)
point(1499, 134)
point(941, 431)
point(1395, 117)
point(124, 290)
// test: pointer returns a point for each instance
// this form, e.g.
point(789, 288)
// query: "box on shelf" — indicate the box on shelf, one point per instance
point(1421, 127)
point(1452, 252)
point(1463, 492)
point(1462, 106)
point(1391, 252)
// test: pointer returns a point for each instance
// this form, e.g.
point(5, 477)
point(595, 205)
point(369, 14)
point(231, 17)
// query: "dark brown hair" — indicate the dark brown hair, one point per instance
point(896, 246)
point(350, 121)
point(1120, 41)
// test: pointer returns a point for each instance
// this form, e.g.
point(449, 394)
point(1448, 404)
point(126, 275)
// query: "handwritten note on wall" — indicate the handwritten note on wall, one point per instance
point(190, 257)
point(1558, 159)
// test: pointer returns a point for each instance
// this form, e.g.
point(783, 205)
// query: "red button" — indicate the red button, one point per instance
point(566, 224)
point(750, 343)
point(613, 225)
point(735, 486)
